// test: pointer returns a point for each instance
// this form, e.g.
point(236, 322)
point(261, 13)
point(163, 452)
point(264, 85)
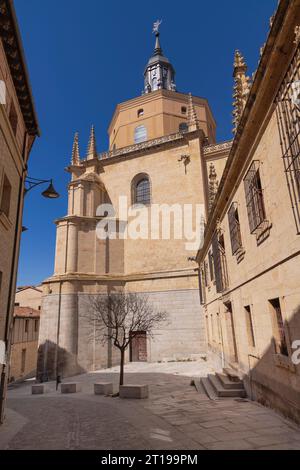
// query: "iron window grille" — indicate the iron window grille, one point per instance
point(211, 266)
point(234, 228)
point(142, 192)
point(288, 120)
point(205, 269)
point(220, 263)
point(254, 198)
point(202, 286)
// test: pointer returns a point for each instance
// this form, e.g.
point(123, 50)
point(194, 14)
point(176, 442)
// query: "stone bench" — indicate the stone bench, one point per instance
point(134, 391)
point(103, 388)
point(38, 389)
point(70, 387)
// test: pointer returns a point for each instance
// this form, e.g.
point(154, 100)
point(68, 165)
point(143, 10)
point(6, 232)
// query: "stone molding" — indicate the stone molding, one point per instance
point(215, 148)
point(120, 277)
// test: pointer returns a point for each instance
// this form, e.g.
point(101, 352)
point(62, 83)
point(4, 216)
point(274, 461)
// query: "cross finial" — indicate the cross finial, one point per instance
point(156, 26)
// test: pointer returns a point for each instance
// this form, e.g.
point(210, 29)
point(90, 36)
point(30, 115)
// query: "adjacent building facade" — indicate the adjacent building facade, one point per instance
point(250, 260)
point(29, 296)
point(24, 343)
point(18, 130)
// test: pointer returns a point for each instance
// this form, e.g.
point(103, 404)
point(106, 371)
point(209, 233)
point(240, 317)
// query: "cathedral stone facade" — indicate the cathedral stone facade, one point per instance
point(156, 156)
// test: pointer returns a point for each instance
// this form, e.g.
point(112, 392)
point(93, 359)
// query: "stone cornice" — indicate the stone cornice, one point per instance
point(78, 218)
point(217, 148)
point(69, 277)
point(10, 35)
point(171, 139)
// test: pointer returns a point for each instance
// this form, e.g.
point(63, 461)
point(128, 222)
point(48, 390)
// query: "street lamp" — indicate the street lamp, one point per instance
point(49, 193)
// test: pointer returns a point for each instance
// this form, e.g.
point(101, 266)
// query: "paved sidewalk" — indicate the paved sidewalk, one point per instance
point(174, 417)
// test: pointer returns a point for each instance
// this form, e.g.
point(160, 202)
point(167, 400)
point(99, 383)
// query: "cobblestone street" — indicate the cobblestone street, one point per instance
point(175, 416)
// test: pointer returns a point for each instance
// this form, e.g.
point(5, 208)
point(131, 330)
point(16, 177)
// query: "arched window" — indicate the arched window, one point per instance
point(140, 113)
point(183, 127)
point(140, 134)
point(141, 190)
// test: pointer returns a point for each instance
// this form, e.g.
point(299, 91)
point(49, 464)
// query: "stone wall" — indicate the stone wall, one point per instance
point(80, 347)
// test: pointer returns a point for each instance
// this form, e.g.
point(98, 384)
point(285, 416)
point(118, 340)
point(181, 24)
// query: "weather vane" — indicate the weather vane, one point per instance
point(156, 26)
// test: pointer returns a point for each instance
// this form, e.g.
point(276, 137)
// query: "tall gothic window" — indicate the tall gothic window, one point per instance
point(141, 190)
point(140, 134)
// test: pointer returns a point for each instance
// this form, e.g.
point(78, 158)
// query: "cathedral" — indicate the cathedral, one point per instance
point(231, 294)
point(162, 152)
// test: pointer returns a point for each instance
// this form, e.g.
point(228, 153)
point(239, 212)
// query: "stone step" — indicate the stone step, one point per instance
point(198, 385)
point(232, 374)
point(209, 390)
point(229, 384)
point(223, 392)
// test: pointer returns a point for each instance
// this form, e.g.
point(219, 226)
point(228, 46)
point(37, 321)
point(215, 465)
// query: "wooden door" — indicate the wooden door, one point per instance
point(138, 347)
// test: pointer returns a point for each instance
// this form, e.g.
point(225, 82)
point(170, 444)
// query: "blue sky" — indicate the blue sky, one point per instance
point(85, 56)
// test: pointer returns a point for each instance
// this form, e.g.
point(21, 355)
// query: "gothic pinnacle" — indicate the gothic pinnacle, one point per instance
point(75, 151)
point(92, 149)
point(241, 88)
point(213, 185)
point(193, 121)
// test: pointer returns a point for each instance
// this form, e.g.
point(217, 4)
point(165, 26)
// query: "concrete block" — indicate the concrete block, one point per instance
point(103, 388)
point(134, 391)
point(70, 387)
point(38, 389)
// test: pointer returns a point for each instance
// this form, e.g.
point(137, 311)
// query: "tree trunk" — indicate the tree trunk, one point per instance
point(122, 366)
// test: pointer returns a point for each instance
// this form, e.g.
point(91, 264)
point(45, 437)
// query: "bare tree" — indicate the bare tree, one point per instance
point(119, 317)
